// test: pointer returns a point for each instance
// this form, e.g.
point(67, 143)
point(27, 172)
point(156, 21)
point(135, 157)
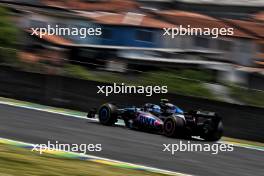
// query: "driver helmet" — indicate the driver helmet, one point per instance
point(155, 109)
point(170, 108)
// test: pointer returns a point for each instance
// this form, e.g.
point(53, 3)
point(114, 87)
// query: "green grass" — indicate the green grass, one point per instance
point(181, 82)
point(178, 82)
point(185, 82)
point(8, 30)
point(254, 143)
point(247, 96)
point(16, 161)
point(8, 37)
point(80, 72)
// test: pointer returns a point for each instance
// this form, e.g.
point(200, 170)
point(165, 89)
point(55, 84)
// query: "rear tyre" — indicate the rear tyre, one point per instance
point(174, 127)
point(216, 133)
point(107, 114)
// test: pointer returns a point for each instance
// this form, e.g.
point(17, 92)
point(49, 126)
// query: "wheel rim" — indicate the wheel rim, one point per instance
point(169, 126)
point(104, 114)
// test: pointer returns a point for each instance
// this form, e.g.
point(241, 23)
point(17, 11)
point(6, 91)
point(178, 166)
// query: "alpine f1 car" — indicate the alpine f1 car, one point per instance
point(165, 118)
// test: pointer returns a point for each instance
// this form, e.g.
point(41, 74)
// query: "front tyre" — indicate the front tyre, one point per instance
point(173, 127)
point(107, 114)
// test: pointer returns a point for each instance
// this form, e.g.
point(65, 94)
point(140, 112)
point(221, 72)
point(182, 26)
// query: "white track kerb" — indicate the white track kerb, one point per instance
point(82, 115)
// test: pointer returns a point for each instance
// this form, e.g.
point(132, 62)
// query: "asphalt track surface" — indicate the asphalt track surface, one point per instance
point(125, 145)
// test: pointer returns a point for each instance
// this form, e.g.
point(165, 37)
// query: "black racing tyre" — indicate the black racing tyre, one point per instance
point(174, 127)
point(107, 114)
point(216, 133)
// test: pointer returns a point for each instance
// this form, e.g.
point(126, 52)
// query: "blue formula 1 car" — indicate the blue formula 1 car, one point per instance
point(165, 118)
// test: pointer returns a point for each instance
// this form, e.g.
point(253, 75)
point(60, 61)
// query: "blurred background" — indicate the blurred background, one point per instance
point(224, 75)
point(132, 48)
